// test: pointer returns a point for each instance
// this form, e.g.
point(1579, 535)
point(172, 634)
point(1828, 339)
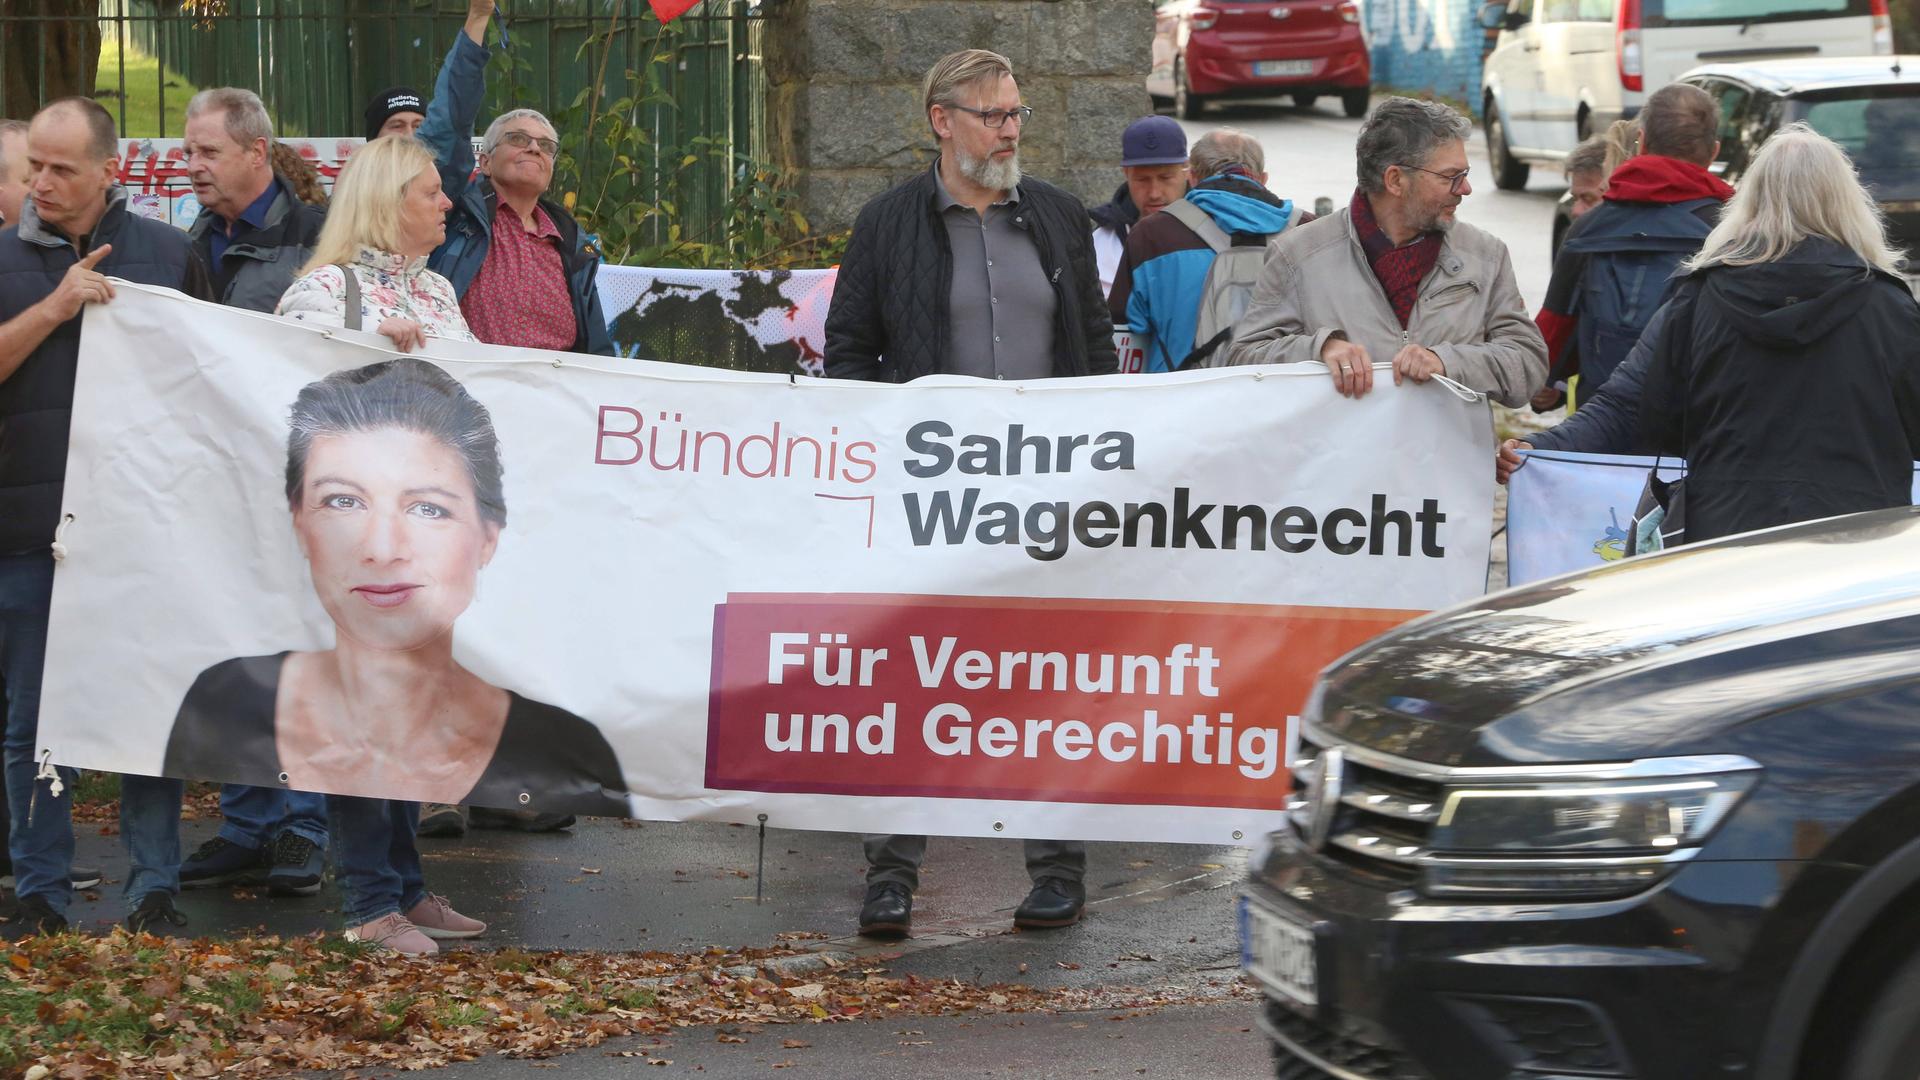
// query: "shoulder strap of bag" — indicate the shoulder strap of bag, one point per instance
point(1201, 223)
point(353, 295)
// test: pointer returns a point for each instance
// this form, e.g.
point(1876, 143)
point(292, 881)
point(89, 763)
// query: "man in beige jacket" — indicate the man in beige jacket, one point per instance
point(1394, 279)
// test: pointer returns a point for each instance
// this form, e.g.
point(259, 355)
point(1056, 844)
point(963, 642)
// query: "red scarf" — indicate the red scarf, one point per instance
point(1400, 270)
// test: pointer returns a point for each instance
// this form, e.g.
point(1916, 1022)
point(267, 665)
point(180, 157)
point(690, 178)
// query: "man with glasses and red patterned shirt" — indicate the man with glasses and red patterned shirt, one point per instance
point(970, 269)
point(1394, 279)
point(523, 268)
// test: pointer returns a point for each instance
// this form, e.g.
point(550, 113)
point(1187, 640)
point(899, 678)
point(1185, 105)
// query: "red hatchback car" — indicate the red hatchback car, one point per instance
point(1205, 49)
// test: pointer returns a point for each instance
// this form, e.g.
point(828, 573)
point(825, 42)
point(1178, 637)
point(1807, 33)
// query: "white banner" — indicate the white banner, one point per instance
point(1568, 511)
point(1083, 608)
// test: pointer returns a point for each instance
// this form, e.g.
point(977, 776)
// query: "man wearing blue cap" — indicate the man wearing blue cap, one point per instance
point(1153, 155)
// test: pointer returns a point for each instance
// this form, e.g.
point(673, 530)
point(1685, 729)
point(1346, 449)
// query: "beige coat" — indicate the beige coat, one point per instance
point(1317, 285)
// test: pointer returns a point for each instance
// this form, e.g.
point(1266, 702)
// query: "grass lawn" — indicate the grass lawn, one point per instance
point(143, 117)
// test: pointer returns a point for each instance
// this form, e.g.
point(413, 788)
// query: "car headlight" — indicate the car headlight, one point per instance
point(1574, 837)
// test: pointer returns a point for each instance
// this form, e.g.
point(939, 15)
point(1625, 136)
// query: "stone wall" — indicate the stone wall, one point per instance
point(844, 112)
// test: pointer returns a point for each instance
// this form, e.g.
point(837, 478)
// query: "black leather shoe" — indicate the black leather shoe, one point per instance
point(888, 912)
point(156, 915)
point(1053, 902)
point(33, 916)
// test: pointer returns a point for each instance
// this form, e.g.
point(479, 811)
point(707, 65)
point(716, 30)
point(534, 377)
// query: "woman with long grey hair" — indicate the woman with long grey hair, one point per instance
point(1787, 372)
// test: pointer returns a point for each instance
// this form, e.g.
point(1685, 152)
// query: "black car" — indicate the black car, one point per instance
point(1870, 105)
point(1659, 820)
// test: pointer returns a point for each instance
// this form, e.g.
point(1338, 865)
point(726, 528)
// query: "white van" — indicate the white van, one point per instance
point(1565, 69)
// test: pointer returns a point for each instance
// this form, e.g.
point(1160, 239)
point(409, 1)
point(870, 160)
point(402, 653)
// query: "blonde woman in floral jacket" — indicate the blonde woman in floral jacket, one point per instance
point(388, 213)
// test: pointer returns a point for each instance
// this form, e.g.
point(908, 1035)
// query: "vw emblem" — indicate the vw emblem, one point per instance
point(1281, 13)
point(1324, 785)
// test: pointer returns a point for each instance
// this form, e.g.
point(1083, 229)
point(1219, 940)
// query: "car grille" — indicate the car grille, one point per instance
point(1303, 1050)
point(1378, 822)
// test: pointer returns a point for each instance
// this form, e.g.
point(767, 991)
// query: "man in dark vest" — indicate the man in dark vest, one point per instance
point(1612, 273)
point(253, 235)
point(75, 231)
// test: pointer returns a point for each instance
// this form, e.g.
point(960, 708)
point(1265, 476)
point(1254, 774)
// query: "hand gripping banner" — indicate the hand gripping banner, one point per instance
point(1086, 608)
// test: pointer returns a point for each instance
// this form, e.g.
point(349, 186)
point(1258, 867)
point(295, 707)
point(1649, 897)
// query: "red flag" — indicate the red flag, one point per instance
point(669, 10)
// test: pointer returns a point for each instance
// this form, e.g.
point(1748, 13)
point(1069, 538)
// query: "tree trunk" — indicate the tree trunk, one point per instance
point(44, 61)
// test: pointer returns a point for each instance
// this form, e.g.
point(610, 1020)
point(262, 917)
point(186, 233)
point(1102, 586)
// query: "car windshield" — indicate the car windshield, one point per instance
point(1880, 132)
point(1668, 12)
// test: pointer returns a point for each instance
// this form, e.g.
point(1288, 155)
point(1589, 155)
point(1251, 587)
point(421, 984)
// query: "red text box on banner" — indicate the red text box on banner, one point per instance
point(1045, 700)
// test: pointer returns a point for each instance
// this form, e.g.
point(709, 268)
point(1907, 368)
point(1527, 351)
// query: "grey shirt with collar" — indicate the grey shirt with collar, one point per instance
point(1001, 308)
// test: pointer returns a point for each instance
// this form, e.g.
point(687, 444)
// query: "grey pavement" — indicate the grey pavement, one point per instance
point(1205, 1042)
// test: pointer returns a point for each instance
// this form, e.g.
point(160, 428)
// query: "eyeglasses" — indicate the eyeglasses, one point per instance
point(994, 118)
point(1454, 180)
point(520, 140)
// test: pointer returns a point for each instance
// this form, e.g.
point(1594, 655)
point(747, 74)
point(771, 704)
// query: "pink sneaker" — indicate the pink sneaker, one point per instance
point(393, 931)
point(436, 918)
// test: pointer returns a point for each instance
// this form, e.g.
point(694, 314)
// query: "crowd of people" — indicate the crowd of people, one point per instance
point(1696, 320)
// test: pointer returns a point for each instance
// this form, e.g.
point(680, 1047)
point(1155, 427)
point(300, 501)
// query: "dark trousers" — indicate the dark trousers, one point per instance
point(897, 859)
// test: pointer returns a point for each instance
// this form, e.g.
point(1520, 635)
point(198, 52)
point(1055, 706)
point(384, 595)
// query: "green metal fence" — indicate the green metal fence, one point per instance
point(316, 63)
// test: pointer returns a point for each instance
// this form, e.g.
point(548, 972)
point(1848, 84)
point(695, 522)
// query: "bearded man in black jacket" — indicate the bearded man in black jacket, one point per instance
point(970, 268)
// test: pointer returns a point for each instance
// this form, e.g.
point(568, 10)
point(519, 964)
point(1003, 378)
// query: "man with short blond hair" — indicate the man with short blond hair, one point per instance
point(972, 269)
point(254, 235)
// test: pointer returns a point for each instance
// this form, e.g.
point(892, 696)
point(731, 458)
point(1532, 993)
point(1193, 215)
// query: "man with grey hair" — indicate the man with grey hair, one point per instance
point(13, 170)
point(973, 269)
point(520, 263)
point(1171, 257)
point(1394, 279)
point(253, 233)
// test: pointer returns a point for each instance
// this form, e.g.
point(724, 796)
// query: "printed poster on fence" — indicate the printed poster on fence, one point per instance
point(1084, 608)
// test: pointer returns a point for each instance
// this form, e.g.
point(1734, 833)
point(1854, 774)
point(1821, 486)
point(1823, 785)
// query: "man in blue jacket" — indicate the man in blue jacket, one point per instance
point(1163, 271)
point(524, 269)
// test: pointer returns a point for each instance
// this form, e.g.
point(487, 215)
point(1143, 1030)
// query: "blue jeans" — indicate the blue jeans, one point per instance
point(40, 838)
point(256, 815)
point(374, 857)
point(150, 831)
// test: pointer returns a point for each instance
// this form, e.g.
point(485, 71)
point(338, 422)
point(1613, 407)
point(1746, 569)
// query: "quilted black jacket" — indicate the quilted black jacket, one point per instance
point(889, 322)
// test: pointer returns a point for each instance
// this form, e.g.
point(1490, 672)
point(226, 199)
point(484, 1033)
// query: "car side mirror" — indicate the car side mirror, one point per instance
point(1493, 16)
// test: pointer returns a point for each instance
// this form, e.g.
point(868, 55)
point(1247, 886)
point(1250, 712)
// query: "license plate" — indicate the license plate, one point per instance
point(1279, 952)
point(1282, 67)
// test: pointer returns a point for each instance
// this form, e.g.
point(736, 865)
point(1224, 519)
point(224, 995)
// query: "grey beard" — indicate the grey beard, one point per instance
point(988, 173)
point(1439, 223)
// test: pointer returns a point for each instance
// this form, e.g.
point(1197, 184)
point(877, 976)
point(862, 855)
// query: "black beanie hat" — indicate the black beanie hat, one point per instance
point(387, 102)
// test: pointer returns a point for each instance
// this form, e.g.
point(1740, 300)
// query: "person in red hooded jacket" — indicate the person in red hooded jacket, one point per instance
point(1615, 263)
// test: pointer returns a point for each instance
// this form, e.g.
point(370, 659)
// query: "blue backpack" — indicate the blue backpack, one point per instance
point(1632, 253)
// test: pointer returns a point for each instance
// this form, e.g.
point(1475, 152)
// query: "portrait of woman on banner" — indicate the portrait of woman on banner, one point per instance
point(393, 480)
